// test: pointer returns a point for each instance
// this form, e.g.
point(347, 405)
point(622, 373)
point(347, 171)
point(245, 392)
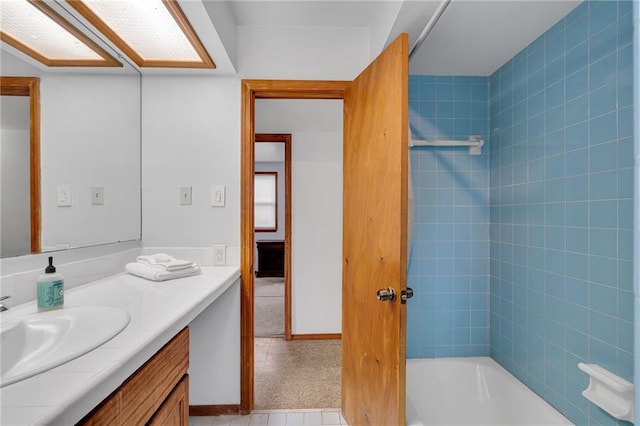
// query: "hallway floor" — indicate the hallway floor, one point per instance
point(297, 374)
point(269, 307)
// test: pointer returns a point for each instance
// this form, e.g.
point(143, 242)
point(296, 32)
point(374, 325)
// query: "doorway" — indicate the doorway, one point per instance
point(374, 231)
point(297, 373)
point(252, 90)
point(271, 289)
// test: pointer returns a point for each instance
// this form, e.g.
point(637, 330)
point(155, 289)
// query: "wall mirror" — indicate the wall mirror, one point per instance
point(89, 160)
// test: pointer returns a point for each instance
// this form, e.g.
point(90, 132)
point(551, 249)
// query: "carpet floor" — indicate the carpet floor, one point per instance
point(268, 307)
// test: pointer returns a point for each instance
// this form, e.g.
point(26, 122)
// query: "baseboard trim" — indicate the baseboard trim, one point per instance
point(214, 410)
point(327, 336)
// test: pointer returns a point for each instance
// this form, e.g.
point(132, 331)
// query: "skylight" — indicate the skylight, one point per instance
point(154, 33)
point(38, 31)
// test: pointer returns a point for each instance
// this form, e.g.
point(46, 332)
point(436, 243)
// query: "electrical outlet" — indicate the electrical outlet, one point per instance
point(219, 255)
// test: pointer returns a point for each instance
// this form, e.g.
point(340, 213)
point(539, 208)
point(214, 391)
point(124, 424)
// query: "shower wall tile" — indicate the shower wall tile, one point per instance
point(449, 262)
point(561, 210)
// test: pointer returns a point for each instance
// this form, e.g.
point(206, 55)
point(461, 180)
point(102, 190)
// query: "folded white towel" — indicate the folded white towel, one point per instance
point(158, 274)
point(164, 261)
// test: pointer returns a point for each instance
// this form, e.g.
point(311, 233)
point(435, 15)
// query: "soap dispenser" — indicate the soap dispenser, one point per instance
point(50, 289)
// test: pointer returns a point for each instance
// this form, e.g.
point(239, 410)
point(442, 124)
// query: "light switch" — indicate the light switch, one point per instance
point(97, 195)
point(217, 195)
point(185, 196)
point(64, 195)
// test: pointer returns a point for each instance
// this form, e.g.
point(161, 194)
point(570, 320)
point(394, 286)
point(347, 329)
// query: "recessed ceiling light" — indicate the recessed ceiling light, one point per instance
point(38, 31)
point(154, 33)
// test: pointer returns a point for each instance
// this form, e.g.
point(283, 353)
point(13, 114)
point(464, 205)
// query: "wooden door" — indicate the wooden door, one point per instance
point(375, 240)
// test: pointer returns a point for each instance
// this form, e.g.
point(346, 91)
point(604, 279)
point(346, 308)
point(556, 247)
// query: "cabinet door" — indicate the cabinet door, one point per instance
point(174, 411)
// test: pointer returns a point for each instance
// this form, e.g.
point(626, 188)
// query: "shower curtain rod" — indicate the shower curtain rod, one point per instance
point(427, 29)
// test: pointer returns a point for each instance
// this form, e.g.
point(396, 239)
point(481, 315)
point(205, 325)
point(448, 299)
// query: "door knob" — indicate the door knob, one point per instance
point(386, 294)
point(406, 294)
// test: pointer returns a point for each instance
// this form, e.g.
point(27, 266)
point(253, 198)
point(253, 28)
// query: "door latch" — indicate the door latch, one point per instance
point(406, 294)
point(386, 294)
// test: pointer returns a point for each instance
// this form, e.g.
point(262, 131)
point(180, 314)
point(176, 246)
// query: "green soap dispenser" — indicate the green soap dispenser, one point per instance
point(50, 289)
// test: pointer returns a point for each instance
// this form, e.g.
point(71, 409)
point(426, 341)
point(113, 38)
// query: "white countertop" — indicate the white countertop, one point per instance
point(158, 310)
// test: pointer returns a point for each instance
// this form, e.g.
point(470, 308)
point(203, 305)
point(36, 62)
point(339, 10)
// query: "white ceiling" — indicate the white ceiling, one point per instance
point(478, 37)
point(473, 37)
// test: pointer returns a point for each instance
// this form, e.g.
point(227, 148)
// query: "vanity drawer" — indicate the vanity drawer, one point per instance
point(136, 401)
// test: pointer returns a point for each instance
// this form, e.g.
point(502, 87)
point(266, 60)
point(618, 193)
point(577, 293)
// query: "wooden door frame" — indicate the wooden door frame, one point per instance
point(284, 138)
point(252, 90)
point(30, 86)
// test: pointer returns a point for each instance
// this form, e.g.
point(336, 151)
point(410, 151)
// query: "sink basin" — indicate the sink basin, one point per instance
point(38, 342)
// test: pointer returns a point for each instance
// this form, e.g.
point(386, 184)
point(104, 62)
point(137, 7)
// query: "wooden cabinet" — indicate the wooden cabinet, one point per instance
point(175, 409)
point(157, 391)
point(270, 258)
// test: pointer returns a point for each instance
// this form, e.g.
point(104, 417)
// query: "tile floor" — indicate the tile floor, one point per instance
point(319, 417)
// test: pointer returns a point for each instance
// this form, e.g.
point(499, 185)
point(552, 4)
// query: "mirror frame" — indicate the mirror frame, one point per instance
point(30, 86)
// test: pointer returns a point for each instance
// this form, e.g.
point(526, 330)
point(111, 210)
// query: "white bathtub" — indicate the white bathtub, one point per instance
point(472, 391)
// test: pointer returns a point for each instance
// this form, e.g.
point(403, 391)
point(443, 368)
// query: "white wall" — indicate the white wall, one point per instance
point(302, 53)
point(15, 214)
point(214, 369)
point(191, 128)
point(191, 137)
point(317, 232)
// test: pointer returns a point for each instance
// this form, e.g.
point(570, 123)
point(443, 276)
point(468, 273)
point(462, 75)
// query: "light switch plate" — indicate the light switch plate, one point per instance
point(217, 195)
point(97, 195)
point(64, 195)
point(185, 196)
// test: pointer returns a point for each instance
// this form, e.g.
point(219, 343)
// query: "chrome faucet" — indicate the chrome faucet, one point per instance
point(2, 307)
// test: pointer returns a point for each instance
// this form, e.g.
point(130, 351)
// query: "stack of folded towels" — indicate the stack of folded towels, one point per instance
point(161, 267)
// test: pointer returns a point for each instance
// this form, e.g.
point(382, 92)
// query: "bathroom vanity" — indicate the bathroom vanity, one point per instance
point(143, 374)
point(156, 394)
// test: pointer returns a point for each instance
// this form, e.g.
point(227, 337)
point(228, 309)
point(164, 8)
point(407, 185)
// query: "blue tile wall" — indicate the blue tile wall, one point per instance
point(561, 207)
point(449, 263)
